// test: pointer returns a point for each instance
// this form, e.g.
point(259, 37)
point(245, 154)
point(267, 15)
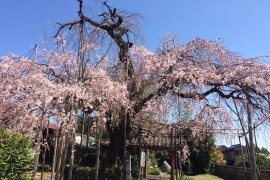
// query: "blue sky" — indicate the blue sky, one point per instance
point(243, 24)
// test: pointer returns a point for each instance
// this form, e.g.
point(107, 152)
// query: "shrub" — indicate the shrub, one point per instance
point(114, 172)
point(83, 172)
point(154, 171)
point(86, 173)
point(15, 155)
point(135, 170)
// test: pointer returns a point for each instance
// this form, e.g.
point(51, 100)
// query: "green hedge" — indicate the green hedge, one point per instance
point(114, 172)
point(86, 169)
point(86, 173)
point(16, 156)
point(83, 172)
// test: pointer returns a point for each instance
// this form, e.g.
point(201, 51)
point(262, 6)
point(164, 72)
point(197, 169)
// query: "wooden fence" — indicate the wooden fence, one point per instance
point(238, 173)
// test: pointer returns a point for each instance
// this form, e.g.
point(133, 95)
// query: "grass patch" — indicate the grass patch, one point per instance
point(203, 177)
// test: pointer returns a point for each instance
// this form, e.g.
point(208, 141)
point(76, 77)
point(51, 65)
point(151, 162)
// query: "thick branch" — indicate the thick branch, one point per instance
point(164, 89)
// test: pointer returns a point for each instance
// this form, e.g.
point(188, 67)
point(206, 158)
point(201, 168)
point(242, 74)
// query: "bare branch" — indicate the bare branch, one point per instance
point(63, 26)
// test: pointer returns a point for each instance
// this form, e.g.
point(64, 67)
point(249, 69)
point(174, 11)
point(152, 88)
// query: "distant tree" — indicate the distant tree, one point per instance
point(263, 150)
point(263, 161)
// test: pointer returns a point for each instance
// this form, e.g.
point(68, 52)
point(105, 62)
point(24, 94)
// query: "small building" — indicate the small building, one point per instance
point(233, 154)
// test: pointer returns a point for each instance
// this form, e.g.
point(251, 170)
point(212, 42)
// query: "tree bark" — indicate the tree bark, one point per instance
point(116, 145)
point(45, 149)
point(82, 132)
point(55, 154)
point(253, 174)
point(73, 120)
point(37, 147)
point(116, 133)
point(64, 155)
point(99, 136)
point(59, 157)
point(71, 162)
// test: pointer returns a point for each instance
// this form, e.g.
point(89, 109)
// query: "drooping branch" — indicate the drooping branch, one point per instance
point(164, 89)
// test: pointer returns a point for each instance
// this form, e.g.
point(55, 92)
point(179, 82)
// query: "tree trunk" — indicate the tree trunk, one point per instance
point(63, 160)
point(99, 136)
point(73, 135)
point(253, 174)
point(117, 145)
point(55, 154)
point(45, 149)
point(257, 152)
point(71, 161)
point(82, 132)
point(88, 132)
point(59, 157)
point(37, 148)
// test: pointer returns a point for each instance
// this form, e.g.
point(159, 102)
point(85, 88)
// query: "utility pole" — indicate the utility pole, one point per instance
point(35, 56)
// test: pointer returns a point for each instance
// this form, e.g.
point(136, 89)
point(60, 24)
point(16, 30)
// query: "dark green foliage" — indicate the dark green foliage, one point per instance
point(83, 173)
point(86, 173)
point(263, 150)
point(161, 156)
point(15, 155)
point(263, 161)
point(86, 169)
point(200, 154)
point(135, 170)
point(187, 169)
point(114, 172)
point(200, 159)
point(152, 157)
point(87, 166)
point(88, 159)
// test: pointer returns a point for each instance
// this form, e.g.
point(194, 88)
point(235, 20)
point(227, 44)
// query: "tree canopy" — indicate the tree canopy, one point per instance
point(60, 83)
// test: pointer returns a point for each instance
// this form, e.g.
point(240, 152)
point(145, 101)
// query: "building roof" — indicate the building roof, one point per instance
point(233, 146)
point(224, 148)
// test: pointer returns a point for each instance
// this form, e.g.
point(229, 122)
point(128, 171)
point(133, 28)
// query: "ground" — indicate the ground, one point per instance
point(46, 176)
point(165, 176)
